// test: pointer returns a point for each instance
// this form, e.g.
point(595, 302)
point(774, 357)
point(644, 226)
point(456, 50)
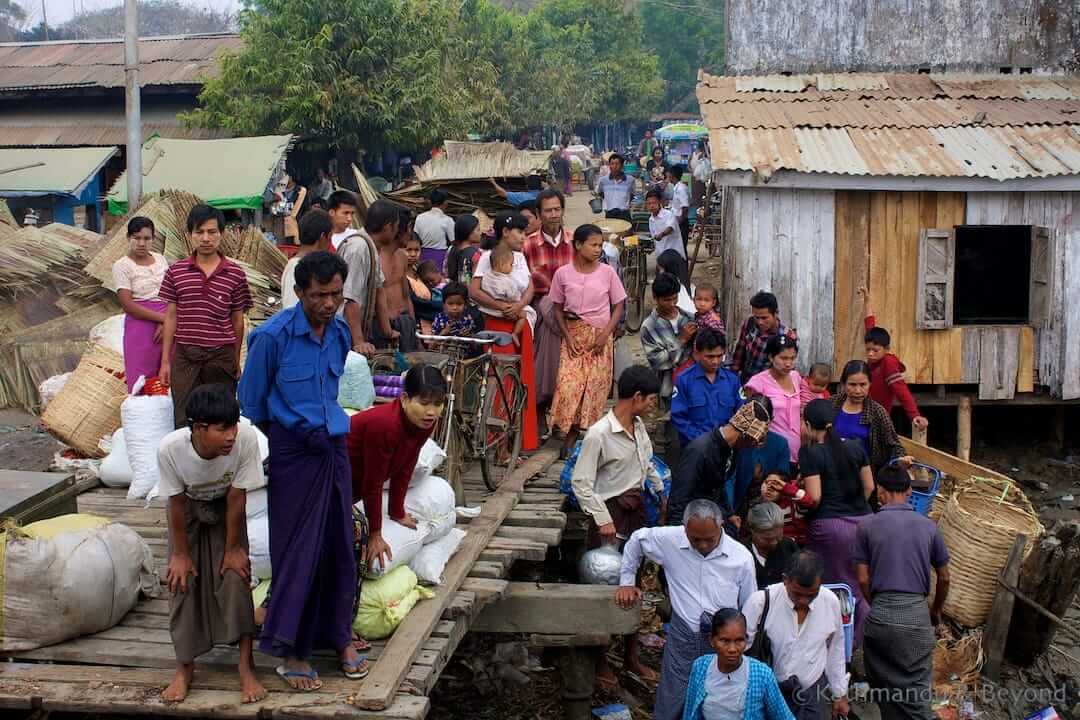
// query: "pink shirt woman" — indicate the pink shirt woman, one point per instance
point(783, 386)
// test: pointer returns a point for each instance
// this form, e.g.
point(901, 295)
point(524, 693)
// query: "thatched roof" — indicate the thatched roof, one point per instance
point(473, 161)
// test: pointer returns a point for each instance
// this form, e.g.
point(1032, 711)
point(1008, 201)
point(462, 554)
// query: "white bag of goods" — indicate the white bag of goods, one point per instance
point(385, 602)
point(51, 387)
point(430, 562)
point(431, 457)
point(115, 468)
point(431, 503)
point(109, 333)
point(69, 576)
point(404, 544)
point(258, 530)
point(147, 419)
point(356, 389)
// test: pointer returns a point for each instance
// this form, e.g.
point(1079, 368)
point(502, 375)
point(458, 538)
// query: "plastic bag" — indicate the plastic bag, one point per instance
point(69, 576)
point(431, 504)
point(404, 544)
point(356, 389)
point(385, 602)
point(110, 333)
point(51, 387)
point(146, 421)
point(115, 468)
point(431, 459)
point(430, 562)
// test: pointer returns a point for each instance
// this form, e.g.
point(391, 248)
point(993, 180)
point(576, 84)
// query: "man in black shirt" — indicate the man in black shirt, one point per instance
point(706, 463)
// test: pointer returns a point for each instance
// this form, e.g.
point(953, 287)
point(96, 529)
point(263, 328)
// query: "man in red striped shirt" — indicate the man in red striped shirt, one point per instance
point(207, 297)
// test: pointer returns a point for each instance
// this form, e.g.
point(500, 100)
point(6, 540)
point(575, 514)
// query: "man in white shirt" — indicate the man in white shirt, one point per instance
point(207, 469)
point(316, 229)
point(805, 629)
point(706, 570)
point(663, 225)
point(680, 200)
point(435, 228)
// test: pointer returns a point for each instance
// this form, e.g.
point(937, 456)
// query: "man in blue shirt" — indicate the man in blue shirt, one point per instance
point(289, 389)
point(519, 198)
point(706, 395)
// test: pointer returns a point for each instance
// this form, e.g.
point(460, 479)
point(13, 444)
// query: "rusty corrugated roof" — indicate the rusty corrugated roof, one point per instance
point(79, 135)
point(70, 64)
point(991, 126)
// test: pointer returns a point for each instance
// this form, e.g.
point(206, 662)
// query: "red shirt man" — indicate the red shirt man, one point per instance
point(550, 247)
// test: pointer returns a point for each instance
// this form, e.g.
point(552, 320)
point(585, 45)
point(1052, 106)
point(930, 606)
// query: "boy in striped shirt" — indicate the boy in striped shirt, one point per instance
point(207, 296)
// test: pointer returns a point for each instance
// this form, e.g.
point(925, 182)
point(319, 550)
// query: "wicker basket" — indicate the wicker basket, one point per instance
point(88, 407)
point(979, 525)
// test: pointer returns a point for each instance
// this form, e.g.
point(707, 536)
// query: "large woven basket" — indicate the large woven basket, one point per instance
point(979, 524)
point(88, 407)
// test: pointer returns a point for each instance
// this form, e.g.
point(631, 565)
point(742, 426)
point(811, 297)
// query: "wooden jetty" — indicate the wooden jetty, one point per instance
point(123, 670)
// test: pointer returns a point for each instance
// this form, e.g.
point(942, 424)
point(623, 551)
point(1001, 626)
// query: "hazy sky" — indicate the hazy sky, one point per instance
point(60, 11)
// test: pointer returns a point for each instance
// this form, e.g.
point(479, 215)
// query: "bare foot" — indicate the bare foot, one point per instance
point(260, 615)
point(251, 690)
point(178, 688)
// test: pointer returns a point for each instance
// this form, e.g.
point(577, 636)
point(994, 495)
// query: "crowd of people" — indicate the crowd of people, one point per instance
point(780, 487)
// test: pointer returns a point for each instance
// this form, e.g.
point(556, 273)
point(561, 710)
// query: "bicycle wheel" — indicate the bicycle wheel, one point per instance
point(500, 421)
point(635, 278)
point(452, 465)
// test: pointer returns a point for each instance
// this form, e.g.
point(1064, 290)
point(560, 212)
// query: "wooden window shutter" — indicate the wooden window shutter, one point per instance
point(1042, 275)
point(937, 270)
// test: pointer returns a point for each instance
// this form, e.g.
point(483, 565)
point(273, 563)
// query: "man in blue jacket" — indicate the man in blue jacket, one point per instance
point(706, 394)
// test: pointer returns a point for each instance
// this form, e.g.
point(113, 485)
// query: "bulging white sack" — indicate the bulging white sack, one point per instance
point(109, 333)
point(431, 503)
point(430, 562)
point(115, 468)
point(146, 419)
point(404, 543)
point(431, 458)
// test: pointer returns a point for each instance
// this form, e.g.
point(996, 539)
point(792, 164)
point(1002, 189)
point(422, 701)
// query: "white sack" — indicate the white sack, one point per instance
point(76, 583)
point(146, 419)
point(356, 389)
point(404, 543)
point(109, 333)
point(51, 387)
point(430, 459)
point(264, 443)
point(431, 504)
point(258, 530)
point(430, 562)
point(115, 468)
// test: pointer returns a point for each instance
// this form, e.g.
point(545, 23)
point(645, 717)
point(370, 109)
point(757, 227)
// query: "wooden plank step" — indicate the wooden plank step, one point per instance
point(525, 550)
point(545, 535)
point(535, 516)
point(485, 569)
point(486, 591)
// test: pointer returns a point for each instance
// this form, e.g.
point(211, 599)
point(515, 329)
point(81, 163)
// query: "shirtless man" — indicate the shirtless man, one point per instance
point(392, 258)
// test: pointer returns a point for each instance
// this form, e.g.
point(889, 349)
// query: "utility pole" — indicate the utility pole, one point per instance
point(132, 103)
point(45, 20)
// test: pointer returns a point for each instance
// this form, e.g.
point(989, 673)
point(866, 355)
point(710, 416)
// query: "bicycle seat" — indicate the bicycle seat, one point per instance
point(501, 338)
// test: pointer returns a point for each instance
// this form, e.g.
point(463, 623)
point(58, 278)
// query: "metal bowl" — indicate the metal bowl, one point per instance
point(600, 566)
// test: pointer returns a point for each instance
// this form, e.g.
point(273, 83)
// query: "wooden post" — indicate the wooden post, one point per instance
point(918, 435)
point(963, 429)
point(1059, 427)
point(997, 624)
point(577, 666)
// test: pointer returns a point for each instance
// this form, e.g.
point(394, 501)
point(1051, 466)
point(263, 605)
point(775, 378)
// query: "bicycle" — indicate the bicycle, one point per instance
point(635, 277)
point(486, 397)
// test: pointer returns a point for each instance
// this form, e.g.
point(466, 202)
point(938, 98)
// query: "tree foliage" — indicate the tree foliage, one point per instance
point(12, 15)
point(415, 72)
point(686, 35)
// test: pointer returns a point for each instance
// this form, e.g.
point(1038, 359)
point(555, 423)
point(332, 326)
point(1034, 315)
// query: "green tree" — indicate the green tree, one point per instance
point(12, 16)
point(352, 73)
point(687, 35)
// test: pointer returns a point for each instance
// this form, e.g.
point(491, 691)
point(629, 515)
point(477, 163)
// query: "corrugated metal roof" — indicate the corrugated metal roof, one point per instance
point(79, 135)
point(989, 126)
point(53, 170)
point(162, 61)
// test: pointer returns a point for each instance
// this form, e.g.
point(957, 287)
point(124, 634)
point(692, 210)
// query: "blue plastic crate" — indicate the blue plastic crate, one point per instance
point(922, 500)
point(848, 601)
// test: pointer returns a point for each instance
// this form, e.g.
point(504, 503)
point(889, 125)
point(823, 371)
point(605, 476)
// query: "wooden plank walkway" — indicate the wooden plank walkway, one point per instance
point(123, 670)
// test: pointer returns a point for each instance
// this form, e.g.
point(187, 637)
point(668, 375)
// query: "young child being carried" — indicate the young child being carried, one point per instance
point(816, 383)
point(499, 285)
point(706, 302)
point(793, 501)
point(886, 371)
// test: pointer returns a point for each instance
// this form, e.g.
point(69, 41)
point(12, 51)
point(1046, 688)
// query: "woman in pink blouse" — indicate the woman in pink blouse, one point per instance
point(588, 298)
point(137, 277)
point(783, 386)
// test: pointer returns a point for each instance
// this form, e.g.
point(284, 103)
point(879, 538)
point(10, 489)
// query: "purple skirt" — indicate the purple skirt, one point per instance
point(435, 255)
point(834, 540)
point(142, 355)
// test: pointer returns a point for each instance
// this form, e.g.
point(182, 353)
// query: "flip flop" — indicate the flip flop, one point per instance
point(286, 674)
point(361, 644)
point(356, 671)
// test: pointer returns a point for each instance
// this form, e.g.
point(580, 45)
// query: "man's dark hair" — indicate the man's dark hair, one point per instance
point(212, 404)
point(616, 156)
point(676, 171)
point(404, 218)
point(381, 213)
point(202, 213)
point(638, 379)
point(656, 193)
point(314, 225)
point(549, 193)
point(532, 182)
point(438, 197)
point(894, 479)
point(805, 568)
point(764, 300)
point(878, 336)
point(665, 285)
point(320, 265)
point(724, 617)
point(138, 223)
point(707, 339)
point(339, 198)
point(455, 289)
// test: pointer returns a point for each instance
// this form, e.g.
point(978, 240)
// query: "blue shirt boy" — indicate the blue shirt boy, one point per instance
point(698, 405)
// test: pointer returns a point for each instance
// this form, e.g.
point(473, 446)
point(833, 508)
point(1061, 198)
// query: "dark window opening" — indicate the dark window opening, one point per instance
point(924, 71)
point(993, 275)
point(1025, 71)
point(1006, 71)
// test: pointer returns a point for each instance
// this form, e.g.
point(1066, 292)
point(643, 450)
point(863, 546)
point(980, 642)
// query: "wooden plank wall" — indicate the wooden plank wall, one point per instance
point(877, 245)
point(1055, 367)
point(782, 240)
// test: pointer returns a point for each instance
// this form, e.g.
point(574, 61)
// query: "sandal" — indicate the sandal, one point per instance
point(356, 671)
point(361, 644)
point(286, 674)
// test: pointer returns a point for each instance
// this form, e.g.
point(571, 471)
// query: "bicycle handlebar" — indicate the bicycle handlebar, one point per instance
point(484, 337)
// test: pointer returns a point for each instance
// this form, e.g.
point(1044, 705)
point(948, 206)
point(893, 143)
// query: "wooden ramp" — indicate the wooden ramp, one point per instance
point(123, 669)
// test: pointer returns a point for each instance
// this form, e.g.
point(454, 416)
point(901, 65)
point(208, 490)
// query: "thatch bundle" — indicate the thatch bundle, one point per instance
point(248, 245)
point(7, 220)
